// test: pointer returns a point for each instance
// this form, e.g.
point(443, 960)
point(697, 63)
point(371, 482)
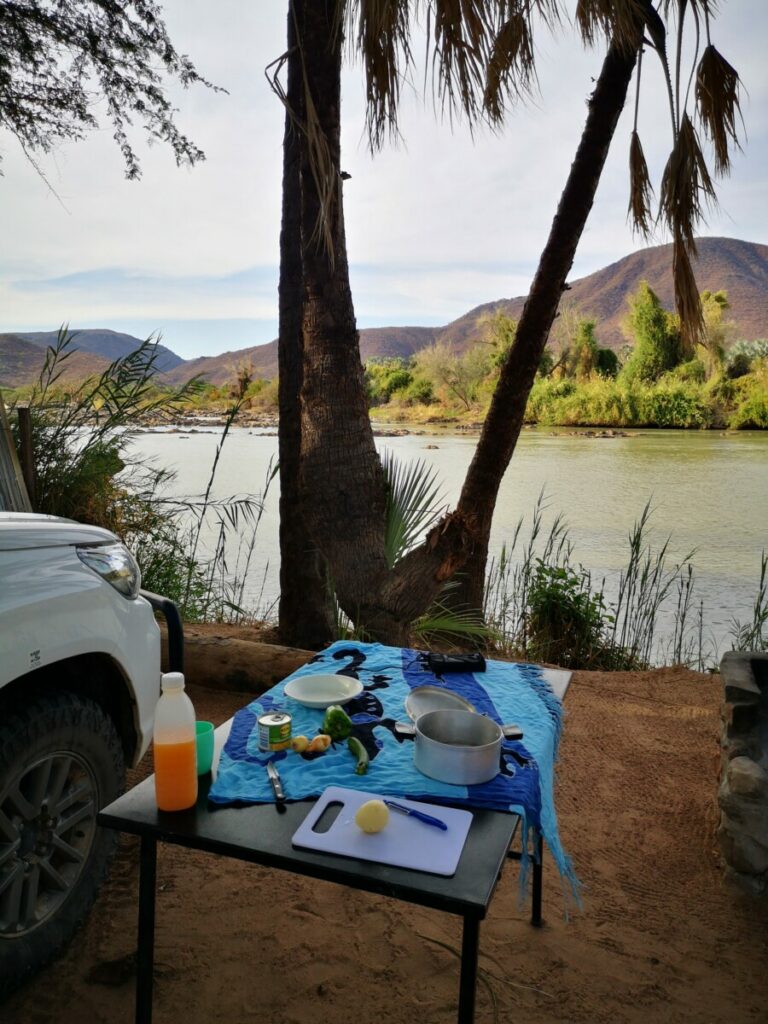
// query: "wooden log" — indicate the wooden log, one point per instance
point(228, 663)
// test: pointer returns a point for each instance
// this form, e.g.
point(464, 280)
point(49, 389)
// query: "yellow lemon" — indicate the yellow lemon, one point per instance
point(372, 816)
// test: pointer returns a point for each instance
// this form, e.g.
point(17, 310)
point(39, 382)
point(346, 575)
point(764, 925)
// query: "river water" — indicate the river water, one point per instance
point(708, 492)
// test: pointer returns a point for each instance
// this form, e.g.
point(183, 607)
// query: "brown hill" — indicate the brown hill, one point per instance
point(21, 362)
point(375, 343)
point(102, 342)
point(740, 268)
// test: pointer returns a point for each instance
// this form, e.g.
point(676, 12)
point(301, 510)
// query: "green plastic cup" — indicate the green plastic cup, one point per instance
point(204, 732)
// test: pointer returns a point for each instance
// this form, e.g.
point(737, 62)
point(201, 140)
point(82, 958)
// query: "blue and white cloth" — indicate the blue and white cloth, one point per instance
point(507, 693)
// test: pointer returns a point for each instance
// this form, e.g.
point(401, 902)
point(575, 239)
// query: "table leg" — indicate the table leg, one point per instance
point(470, 941)
point(538, 867)
point(146, 951)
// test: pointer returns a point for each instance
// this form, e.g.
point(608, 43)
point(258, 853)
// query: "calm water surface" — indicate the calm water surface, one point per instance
point(709, 491)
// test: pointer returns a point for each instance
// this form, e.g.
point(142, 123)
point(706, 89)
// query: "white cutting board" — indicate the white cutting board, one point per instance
point(406, 842)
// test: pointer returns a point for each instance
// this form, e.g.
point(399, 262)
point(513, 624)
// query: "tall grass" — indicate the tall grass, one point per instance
point(753, 635)
point(86, 470)
point(544, 607)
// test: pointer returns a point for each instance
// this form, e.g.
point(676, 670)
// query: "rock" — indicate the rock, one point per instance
point(747, 778)
point(752, 885)
point(738, 677)
point(743, 718)
point(739, 849)
point(741, 852)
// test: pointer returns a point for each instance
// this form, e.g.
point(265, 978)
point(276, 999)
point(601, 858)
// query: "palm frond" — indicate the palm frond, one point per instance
point(462, 32)
point(686, 186)
point(619, 22)
point(413, 503)
point(381, 31)
point(640, 189)
point(717, 101)
point(511, 68)
point(687, 297)
point(446, 626)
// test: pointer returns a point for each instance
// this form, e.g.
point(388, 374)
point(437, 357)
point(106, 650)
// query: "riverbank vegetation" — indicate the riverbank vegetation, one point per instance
point(652, 382)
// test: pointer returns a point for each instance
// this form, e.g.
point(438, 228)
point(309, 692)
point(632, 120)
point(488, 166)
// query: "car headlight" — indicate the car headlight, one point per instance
point(115, 564)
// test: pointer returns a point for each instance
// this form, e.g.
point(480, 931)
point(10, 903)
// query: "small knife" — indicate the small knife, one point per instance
point(277, 785)
point(419, 815)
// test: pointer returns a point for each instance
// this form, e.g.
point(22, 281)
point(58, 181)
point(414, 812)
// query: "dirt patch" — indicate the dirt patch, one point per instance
point(659, 939)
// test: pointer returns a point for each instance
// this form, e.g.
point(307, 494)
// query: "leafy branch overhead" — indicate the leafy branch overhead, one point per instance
point(57, 58)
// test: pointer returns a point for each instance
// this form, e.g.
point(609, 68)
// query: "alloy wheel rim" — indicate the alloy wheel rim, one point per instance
point(47, 827)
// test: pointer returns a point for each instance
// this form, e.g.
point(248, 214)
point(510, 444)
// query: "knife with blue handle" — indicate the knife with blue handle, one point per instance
point(419, 815)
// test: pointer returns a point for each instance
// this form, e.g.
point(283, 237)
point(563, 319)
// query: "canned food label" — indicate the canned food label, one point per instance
point(275, 731)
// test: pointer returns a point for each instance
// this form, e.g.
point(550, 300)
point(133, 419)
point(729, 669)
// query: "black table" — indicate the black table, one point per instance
point(262, 835)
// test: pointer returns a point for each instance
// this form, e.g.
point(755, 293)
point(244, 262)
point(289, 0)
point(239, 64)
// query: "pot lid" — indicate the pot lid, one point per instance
point(434, 698)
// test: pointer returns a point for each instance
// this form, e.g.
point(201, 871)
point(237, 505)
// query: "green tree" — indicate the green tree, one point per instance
point(55, 57)
point(717, 331)
point(607, 362)
point(656, 337)
point(457, 375)
point(582, 353)
point(384, 377)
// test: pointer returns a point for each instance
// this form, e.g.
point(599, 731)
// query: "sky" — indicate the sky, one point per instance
point(436, 224)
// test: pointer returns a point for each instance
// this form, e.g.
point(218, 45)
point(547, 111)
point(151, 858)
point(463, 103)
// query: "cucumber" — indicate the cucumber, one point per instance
point(359, 751)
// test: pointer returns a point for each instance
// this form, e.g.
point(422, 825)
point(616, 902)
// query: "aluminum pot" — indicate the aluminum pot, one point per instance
point(459, 747)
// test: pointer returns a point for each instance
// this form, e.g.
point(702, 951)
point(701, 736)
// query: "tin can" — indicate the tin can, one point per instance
point(274, 731)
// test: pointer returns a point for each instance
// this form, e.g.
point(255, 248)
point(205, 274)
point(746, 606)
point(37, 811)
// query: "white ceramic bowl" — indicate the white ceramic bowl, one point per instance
point(321, 691)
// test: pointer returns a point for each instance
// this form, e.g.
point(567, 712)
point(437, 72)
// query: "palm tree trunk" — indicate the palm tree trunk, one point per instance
point(505, 417)
point(305, 610)
point(341, 475)
point(342, 482)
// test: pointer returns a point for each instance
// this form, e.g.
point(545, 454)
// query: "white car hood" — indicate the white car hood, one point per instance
point(20, 530)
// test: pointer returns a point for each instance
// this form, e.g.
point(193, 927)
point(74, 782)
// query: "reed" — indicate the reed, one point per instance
point(543, 607)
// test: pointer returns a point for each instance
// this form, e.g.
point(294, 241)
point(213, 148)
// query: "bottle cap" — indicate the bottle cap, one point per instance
point(172, 681)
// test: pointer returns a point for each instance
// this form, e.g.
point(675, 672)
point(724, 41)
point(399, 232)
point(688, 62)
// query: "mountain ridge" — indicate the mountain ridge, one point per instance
point(738, 267)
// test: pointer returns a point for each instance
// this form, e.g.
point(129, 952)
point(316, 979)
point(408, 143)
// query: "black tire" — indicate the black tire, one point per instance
point(60, 761)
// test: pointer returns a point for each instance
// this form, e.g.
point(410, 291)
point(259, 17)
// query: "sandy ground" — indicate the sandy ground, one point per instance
point(660, 937)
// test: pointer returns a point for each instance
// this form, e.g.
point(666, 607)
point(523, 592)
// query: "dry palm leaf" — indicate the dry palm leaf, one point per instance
point(686, 185)
point(511, 68)
point(717, 100)
point(617, 21)
point(640, 189)
point(687, 298)
point(324, 173)
point(462, 32)
point(381, 30)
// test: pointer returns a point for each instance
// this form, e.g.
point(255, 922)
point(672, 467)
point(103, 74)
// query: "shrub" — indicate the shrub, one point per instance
point(418, 392)
point(656, 335)
point(565, 619)
point(85, 470)
point(607, 363)
point(386, 376)
point(673, 403)
point(692, 370)
point(752, 412)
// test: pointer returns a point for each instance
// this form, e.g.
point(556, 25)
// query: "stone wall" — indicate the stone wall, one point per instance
point(743, 795)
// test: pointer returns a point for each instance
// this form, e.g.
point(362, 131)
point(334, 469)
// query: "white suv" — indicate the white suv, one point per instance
point(79, 680)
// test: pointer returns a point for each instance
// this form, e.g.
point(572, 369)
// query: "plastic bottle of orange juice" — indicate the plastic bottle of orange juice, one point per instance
point(174, 742)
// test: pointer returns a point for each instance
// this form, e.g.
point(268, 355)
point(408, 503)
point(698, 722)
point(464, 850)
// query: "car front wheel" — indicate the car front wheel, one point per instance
point(60, 762)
